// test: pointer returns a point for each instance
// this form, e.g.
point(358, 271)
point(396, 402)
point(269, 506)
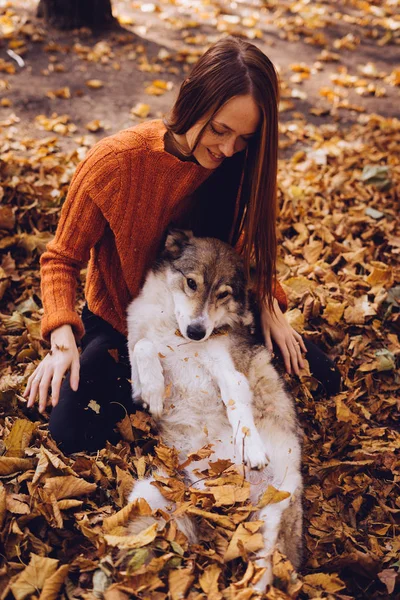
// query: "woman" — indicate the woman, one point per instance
point(211, 166)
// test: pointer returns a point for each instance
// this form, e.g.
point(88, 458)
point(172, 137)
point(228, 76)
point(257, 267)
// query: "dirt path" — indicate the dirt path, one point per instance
point(327, 55)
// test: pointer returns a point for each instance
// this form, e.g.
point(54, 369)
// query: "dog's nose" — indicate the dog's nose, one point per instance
point(196, 332)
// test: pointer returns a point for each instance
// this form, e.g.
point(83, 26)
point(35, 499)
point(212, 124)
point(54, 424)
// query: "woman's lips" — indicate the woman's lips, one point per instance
point(213, 157)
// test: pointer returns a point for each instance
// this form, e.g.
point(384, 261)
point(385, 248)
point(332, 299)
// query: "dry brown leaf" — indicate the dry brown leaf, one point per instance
point(227, 495)
point(143, 538)
point(125, 429)
point(19, 437)
point(95, 84)
point(126, 514)
point(317, 582)
point(52, 586)
point(10, 465)
point(343, 413)
point(272, 496)
point(179, 582)
point(34, 576)
point(3, 507)
point(68, 486)
point(209, 581)
point(141, 110)
point(221, 520)
point(245, 537)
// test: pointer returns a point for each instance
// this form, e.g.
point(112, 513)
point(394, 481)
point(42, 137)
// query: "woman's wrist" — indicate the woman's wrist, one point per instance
point(62, 337)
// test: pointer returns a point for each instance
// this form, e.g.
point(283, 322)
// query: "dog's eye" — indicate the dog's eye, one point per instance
point(191, 283)
point(222, 295)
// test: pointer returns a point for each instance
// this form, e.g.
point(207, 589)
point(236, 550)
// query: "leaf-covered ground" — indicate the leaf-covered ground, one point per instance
point(62, 519)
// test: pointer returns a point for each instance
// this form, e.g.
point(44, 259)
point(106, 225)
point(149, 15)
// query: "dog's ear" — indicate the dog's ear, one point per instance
point(175, 243)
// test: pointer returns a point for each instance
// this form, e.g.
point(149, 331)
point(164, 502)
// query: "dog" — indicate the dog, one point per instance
point(190, 331)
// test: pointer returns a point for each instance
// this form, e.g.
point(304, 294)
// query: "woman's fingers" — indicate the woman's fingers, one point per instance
point(300, 340)
point(44, 390)
point(34, 388)
point(74, 379)
point(55, 388)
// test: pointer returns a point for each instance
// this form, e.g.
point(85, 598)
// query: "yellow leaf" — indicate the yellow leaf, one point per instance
point(300, 285)
point(380, 274)
point(245, 537)
point(52, 586)
point(226, 495)
point(66, 504)
point(209, 581)
point(215, 518)
point(19, 437)
point(68, 486)
point(94, 126)
point(334, 312)
point(272, 496)
point(158, 87)
point(141, 110)
point(343, 413)
point(94, 84)
point(3, 507)
point(168, 456)
point(34, 576)
point(179, 582)
point(143, 538)
point(64, 93)
point(323, 582)
point(313, 251)
point(10, 465)
point(125, 429)
point(123, 516)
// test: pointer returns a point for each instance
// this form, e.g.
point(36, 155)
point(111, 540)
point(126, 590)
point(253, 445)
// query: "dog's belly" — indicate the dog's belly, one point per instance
point(194, 414)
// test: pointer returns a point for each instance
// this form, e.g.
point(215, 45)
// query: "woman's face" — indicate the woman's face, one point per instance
point(228, 132)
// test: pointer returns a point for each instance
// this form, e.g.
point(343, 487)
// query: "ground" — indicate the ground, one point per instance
point(339, 246)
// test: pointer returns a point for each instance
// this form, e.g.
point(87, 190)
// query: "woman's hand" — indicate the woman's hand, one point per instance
point(63, 355)
point(290, 343)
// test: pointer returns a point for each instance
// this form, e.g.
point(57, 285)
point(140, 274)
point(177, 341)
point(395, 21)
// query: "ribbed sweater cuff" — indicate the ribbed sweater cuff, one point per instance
point(62, 317)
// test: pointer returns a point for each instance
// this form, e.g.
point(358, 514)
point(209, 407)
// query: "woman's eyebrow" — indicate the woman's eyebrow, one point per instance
point(230, 129)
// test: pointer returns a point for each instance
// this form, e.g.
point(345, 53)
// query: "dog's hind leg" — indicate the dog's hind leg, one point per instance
point(150, 375)
point(283, 473)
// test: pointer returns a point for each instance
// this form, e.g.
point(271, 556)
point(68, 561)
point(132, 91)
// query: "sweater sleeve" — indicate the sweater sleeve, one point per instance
point(81, 226)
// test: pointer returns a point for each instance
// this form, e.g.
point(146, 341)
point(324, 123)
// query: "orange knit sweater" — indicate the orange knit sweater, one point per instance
point(120, 202)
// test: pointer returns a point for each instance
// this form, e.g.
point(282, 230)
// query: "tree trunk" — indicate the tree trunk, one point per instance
point(72, 14)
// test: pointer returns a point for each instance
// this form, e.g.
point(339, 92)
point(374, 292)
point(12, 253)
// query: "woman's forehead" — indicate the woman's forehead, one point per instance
point(240, 114)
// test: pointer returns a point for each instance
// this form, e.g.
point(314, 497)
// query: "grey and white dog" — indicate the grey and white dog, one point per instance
point(222, 389)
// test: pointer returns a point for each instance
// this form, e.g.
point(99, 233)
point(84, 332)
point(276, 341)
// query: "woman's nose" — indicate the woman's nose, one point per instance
point(228, 148)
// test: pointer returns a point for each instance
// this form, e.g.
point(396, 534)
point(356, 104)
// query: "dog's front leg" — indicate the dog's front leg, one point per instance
point(238, 399)
point(146, 364)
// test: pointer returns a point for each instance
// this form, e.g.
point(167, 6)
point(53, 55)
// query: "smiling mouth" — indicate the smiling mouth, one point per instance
point(215, 156)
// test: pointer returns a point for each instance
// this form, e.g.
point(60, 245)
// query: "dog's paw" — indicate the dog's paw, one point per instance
point(254, 454)
point(155, 402)
point(255, 457)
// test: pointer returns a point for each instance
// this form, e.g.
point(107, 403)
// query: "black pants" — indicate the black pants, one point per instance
point(78, 424)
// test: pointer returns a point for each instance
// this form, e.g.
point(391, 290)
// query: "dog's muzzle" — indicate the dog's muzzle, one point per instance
point(196, 332)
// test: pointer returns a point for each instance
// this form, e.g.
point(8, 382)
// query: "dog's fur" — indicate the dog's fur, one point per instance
point(189, 332)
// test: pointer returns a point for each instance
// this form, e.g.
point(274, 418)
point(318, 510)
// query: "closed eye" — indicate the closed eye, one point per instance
point(222, 295)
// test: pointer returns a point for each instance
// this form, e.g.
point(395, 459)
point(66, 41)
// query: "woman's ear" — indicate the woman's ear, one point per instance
point(175, 243)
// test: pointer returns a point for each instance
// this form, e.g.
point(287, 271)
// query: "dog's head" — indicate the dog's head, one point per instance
point(207, 283)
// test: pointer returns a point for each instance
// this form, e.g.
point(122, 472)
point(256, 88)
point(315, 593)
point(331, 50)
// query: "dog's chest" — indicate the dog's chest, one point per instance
point(187, 368)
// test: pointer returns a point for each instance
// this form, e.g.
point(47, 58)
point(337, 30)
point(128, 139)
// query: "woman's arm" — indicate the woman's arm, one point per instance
point(290, 343)
point(81, 226)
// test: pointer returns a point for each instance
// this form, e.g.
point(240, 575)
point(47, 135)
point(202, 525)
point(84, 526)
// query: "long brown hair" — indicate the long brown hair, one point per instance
point(233, 67)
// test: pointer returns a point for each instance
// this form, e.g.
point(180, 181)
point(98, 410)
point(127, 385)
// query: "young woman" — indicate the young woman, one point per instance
point(210, 166)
